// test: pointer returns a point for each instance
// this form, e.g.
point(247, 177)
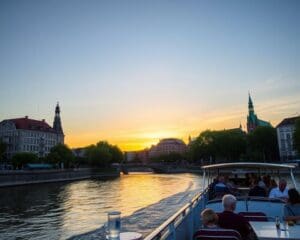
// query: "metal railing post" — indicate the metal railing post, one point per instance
point(190, 221)
point(172, 231)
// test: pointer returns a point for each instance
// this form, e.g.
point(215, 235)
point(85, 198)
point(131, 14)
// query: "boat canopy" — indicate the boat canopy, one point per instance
point(252, 165)
point(249, 165)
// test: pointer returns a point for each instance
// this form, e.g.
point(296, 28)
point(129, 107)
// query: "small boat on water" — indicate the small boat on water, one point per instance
point(186, 221)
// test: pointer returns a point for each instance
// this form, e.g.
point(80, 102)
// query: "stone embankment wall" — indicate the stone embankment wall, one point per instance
point(20, 177)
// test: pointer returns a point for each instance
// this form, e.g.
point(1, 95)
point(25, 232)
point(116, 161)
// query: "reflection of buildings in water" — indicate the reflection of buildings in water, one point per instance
point(31, 200)
point(61, 210)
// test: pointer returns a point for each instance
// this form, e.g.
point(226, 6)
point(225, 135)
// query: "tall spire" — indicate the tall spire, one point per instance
point(57, 122)
point(250, 103)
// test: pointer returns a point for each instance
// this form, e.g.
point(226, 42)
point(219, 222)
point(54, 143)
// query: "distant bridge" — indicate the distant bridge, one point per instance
point(154, 167)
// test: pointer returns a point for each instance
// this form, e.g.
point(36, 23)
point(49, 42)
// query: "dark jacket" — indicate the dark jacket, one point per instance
point(231, 220)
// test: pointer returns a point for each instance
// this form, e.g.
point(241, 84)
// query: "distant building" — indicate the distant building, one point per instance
point(252, 120)
point(142, 155)
point(167, 146)
point(130, 156)
point(29, 135)
point(285, 131)
point(79, 152)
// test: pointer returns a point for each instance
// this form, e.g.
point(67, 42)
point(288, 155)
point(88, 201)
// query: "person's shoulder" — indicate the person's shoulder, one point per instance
point(273, 192)
point(240, 218)
point(275, 189)
point(225, 214)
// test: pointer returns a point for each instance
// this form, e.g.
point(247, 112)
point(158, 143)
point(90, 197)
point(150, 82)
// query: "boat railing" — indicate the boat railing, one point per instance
point(184, 222)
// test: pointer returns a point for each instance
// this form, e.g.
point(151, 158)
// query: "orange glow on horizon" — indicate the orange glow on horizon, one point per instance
point(132, 134)
point(138, 140)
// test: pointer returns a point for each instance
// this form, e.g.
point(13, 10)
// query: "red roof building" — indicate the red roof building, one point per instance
point(30, 135)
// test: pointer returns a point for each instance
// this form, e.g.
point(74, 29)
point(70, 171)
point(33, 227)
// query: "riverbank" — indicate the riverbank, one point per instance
point(24, 177)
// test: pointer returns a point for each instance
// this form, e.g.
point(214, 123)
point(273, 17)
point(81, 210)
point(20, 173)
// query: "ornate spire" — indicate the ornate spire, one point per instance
point(57, 122)
point(57, 109)
point(250, 103)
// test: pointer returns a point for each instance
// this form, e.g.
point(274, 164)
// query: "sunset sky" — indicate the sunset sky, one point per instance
point(133, 72)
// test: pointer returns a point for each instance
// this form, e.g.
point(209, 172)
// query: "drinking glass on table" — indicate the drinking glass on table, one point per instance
point(114, 225)
point(284, 225)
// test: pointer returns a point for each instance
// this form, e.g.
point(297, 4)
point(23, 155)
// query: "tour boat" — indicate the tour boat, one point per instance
point(186, 221)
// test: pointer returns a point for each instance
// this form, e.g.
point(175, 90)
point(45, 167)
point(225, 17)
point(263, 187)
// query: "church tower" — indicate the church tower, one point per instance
point(57, 122)
point(250, 105)
point(252, 118)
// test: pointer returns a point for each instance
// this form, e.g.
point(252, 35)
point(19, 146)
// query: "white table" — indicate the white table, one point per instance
point(268, 230)
point(130, 236)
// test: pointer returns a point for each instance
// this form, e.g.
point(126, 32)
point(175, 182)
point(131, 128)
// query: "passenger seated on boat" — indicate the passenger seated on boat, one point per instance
point(230, 184)
point(258, 189)
point(281, 191)
point(211, 187)
point(221, 188)
point(267, 181)
point(209, 218)
point(291, 211)
point(230, 220)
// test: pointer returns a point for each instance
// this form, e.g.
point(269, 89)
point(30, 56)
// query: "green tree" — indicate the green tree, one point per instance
point(262, 144)
point(225, 145)
point(116, 153)
point(103, 154)
point(2, 149)
point(20, 159)
point(61, 153)
point(297, 136)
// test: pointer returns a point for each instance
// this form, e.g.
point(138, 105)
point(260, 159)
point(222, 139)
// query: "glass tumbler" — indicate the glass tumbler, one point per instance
point(114, 225)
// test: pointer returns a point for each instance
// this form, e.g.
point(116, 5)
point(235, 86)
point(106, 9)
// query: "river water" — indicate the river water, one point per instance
point(63, 210)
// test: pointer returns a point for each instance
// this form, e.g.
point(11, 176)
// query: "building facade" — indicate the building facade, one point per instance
point(285, 132)
point(141, 156)
point(252, 120)
point(167, 146)
point(29, 135)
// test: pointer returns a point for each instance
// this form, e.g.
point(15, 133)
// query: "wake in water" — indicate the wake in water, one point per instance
point(145, 220)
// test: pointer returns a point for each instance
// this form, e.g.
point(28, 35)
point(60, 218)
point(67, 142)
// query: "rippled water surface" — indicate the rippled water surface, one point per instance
point(62, 210)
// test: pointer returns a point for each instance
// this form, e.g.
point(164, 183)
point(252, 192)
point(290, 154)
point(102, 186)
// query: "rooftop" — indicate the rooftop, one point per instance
point(288, 121)
point(31, 124)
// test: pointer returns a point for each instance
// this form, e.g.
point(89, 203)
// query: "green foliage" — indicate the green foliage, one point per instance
point(2, 149)
point(20, 159)
point(103, 154)
point(225, 145)
point(117, 155)
point(263, 144)
point(61, 153)
point(297, 136)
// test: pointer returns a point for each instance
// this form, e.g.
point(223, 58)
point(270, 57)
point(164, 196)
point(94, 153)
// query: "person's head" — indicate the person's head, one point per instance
point(282, 184)
point(229, 202)
point(294, 196)
point(209, 217)
point(267, 180)
point(261, 184)
point(221, 179)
